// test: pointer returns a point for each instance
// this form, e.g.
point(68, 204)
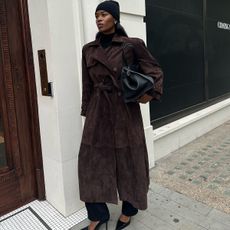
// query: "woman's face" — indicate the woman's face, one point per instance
point(105, 22)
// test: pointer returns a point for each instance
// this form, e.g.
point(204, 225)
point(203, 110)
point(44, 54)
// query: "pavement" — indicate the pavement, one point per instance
point(200, 170)
point(189, 189)
point(170, 210)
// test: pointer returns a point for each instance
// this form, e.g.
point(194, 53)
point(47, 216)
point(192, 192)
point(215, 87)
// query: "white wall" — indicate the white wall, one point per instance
point(55, 27)
point(171, 137)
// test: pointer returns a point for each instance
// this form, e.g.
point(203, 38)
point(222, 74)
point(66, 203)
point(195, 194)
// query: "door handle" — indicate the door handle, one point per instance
point(46, 86)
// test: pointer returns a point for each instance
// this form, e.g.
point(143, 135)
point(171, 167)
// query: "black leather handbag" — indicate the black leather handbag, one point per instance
point(134, 84)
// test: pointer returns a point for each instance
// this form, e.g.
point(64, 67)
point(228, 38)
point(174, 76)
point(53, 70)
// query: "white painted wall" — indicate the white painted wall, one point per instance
point(171, 137)
point(55, 27)
point(48, 116)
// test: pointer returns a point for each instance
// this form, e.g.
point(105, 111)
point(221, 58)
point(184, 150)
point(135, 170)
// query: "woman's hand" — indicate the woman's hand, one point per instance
point(145, 98)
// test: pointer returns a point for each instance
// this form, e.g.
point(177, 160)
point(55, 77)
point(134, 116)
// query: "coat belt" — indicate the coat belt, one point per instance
point(105, 88)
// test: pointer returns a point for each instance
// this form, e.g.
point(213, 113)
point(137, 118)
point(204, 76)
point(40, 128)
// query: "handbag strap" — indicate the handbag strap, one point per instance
point(125, 45)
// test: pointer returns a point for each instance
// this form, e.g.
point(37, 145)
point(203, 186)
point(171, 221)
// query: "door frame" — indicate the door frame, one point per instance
point(32, 96)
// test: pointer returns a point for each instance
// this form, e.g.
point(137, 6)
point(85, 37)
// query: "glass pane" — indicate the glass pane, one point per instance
point(218, 45)
point(175, 38)
point(2, 144)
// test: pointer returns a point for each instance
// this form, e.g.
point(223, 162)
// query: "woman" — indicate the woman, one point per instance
point(113, 156)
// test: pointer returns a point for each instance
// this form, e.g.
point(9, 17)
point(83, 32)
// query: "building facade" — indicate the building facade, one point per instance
point(40, 74)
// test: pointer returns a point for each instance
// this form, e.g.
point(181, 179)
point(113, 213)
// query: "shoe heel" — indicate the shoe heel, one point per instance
point(106, 225)
point(100, 224)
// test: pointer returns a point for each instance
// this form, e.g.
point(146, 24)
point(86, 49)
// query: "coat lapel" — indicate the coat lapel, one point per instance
point(100, 56)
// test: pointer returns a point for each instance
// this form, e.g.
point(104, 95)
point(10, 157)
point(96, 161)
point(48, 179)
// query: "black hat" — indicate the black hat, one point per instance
point(111, 7)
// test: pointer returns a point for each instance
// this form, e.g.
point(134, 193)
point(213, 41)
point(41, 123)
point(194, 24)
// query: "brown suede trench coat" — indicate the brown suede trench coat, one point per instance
point(113, 156)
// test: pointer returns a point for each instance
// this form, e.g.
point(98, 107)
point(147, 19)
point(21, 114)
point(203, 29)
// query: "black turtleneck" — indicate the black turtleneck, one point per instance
point(106, 40)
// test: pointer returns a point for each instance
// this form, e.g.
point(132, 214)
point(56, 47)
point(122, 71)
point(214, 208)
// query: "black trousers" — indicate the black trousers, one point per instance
point(100, 211)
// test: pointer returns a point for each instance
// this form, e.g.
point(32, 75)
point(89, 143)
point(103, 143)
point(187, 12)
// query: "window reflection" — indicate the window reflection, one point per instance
point(2, 144)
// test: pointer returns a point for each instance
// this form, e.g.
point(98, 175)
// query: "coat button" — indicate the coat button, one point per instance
point(119, 94)
point(115, 69)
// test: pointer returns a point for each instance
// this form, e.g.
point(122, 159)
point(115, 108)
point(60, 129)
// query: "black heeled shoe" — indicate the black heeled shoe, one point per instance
point(98, 225)
point(121, 225)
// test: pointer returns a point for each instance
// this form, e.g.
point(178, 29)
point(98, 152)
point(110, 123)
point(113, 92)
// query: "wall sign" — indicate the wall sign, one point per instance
point(223, 25)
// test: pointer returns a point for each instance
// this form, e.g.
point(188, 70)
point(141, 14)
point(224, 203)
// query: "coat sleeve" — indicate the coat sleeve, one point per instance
point(149, 66)
point(87, 86)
